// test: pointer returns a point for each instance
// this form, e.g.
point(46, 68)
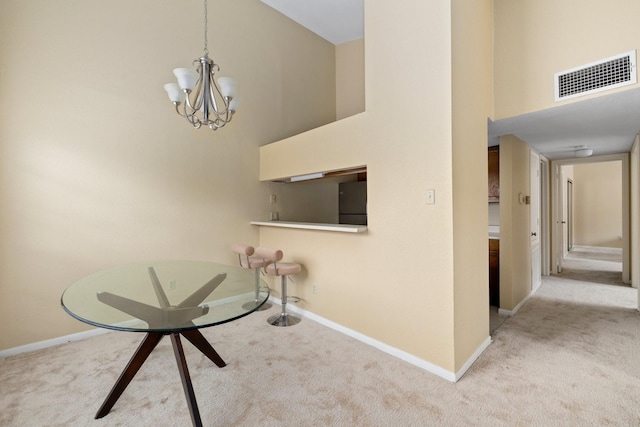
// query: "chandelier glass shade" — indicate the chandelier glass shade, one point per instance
point(198, 96)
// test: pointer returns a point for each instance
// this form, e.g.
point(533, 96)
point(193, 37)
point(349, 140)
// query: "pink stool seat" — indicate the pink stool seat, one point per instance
point(283, 268)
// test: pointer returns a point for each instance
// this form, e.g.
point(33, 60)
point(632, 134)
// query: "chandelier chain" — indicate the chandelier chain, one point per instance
point(206, 42)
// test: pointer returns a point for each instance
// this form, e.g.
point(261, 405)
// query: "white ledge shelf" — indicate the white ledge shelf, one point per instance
point(342, 228)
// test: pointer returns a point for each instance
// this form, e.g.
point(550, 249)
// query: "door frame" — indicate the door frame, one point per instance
point(545, 216)
point(569, 223)
point(556, 201)
point(535, 222)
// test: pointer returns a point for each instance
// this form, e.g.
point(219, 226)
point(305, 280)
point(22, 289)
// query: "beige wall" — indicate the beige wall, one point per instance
point(398, 283)
point(97, 170)
point(472, 41)
point(515, 249)
point(635, 212)
point(536, 38)
point(597, 202)
point(349, 78)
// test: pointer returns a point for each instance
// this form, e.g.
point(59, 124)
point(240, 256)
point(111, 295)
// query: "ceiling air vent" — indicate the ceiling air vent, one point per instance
point(617, 71)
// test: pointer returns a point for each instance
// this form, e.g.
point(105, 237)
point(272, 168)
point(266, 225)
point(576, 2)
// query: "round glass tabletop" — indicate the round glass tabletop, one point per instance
point(165, 296)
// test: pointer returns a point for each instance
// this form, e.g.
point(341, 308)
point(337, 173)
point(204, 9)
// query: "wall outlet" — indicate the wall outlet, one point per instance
point(272, 199)
point(172, 285)
point(314, 288)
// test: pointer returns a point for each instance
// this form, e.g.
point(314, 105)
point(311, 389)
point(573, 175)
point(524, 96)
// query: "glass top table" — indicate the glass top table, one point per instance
point(174, 298)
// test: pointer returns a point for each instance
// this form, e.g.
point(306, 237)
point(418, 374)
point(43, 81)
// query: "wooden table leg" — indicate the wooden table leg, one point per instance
point(146, 347)
point(196, 338)
point(186, 380)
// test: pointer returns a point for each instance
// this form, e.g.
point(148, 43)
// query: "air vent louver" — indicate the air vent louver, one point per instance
point(617, 71)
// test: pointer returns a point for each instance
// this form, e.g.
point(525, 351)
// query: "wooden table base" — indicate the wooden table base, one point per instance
point(140, 356)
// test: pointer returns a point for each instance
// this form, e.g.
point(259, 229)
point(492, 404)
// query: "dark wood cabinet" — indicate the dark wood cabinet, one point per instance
point(494, 272)
point(494, 174)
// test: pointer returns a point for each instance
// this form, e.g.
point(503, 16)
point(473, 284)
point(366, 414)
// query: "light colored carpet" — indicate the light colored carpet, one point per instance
point(594, 265)
point(570, 357)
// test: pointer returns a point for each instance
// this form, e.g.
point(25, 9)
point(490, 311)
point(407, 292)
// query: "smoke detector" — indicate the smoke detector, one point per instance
point(583, 151)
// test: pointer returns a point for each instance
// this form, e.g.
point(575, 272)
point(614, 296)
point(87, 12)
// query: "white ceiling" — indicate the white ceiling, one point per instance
point(607, 124)
point(338, 21)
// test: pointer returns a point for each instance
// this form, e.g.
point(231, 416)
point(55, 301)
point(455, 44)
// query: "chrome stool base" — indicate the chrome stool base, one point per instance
point(283, 319)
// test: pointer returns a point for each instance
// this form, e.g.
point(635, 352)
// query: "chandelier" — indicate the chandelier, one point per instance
point(198, 96)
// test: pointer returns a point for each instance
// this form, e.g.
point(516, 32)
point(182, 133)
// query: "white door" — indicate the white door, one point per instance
point(534, 191)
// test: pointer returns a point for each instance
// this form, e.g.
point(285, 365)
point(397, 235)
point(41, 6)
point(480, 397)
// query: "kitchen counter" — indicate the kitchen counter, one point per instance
point(342, 228)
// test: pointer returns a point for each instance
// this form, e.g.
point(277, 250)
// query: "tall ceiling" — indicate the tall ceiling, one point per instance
point(338, 21)
point(606, 124)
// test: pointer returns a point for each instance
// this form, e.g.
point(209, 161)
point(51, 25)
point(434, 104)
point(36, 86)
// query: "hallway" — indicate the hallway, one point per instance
point(584, 266)
point(594, 265)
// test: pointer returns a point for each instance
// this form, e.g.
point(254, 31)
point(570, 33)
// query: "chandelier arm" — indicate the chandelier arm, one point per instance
point(180, 113)
point(192, 118)
point(212, 89)
point(194, 97)
point(225, 100)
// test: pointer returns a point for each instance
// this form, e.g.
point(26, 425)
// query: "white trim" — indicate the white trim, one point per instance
point(344, 228)
point(599, 249)
point(400, 354)
point(545, 200)
point(471, 360)
point(99, 331)
point(517, 307)
point(53, 342)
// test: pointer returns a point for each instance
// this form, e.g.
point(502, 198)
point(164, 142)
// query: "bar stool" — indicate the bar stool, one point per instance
point(284, 270)
point(252, 263)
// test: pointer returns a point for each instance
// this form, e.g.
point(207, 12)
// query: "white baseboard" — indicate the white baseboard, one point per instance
point(476, 354)
point(94, 332)
point(517, 307)
point(400, 354)
point(54, 341)
point(599, 249)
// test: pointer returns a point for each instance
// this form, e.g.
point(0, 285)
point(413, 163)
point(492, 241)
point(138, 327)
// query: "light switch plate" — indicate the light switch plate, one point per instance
point(431, 196)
